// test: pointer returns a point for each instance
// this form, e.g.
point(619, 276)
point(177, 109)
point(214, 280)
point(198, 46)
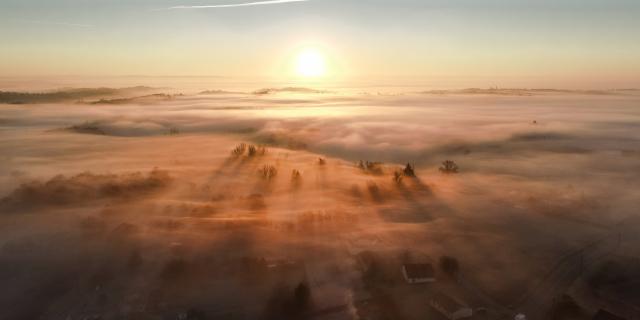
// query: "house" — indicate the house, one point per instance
point(450, 307)
point(606, 315)
point(520, 316)
point(418, 273)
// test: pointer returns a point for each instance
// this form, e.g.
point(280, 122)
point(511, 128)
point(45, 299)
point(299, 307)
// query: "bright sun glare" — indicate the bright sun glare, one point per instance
point(310, 63)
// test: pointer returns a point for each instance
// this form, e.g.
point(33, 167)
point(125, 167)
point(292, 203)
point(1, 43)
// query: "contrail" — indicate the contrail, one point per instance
point(247, 4)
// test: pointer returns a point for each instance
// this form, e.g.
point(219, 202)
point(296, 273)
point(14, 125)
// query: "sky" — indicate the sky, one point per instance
point(569, 43)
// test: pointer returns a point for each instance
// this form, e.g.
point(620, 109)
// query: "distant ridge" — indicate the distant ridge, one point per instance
point(69, 94)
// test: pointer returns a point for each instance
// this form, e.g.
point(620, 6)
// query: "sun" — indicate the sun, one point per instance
point(311, 63)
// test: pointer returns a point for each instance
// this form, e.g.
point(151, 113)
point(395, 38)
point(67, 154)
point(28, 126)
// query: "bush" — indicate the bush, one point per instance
point(321, 161)
point(449, 167)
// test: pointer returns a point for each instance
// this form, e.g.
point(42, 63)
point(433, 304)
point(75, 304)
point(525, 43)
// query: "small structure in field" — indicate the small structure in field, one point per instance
point(418, 273)
point(450, 307)
point(322, 161)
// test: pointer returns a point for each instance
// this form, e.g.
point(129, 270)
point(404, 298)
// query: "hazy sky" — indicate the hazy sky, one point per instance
point(576, 41)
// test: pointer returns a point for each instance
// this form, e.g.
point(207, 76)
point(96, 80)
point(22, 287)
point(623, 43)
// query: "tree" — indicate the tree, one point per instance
point(408, 171)
point(296, 176)
point(397, 177)
point(449, 167)
point(449, 265)
point(269, 172)
point(239, 150)
point(287, 304)
point(302, 296)
point(252, 151)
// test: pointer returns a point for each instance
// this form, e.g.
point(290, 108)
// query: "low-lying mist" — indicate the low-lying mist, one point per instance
point(297, 203)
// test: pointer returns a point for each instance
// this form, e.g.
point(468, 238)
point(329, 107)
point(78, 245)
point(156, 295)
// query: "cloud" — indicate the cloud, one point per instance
point(247, 4)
